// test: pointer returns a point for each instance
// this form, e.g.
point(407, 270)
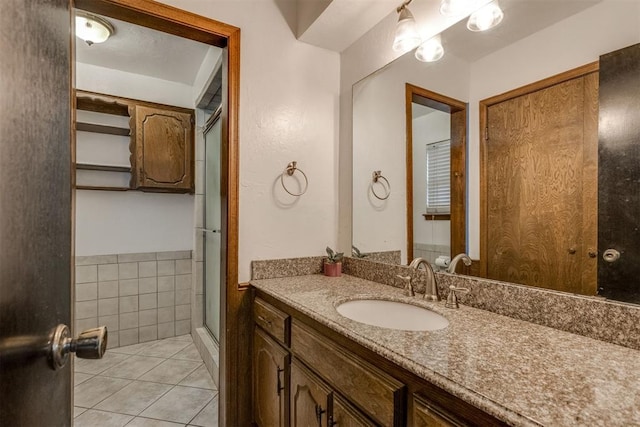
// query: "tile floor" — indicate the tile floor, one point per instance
point(154, 384)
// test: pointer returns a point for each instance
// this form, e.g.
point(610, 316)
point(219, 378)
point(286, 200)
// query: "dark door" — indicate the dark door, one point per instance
point(35, 209)
point(619, 175)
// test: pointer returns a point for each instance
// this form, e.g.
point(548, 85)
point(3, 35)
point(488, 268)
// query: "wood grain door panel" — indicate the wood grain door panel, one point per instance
point(270, 390)
point(310, 398)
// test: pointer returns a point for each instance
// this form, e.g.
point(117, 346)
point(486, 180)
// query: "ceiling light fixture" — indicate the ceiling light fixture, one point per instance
point(92, 29)
point(457, 7)
point(407, 36)
point(431, 50)
point(486, 17)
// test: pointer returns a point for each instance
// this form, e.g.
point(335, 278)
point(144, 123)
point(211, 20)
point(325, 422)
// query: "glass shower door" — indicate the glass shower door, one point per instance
point(212, 230)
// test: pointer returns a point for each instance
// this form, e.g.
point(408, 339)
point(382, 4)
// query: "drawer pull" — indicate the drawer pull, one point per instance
point(279, 385)
point(332, 422)
point(319, 412)
point(262, 319)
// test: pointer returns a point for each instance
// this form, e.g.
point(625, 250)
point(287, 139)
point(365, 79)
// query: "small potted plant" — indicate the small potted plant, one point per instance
point(333, 263)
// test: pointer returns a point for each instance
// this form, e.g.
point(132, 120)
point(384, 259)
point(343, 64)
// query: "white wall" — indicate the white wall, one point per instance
point(427, 129)
point(379, 141)
point(130, 222)
point(288, 111)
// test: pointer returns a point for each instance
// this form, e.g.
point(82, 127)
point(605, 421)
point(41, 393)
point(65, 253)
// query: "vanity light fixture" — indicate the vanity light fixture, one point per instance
point(407, 36)
point(92, 29)
point(431, 50)
point(457, 7)
point(486, 17)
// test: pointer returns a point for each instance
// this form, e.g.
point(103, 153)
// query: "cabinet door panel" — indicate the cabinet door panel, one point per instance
point(310, 398)
point(163, 154)
point(425, 415)
point(345, 415)
point(270, 393)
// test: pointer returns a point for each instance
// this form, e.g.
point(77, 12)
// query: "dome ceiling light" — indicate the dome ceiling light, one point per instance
point(431, 50)
point(407, 36)
point(486, 17)
point(92, 29)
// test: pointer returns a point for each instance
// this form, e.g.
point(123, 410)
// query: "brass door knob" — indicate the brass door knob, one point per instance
point(90, 344)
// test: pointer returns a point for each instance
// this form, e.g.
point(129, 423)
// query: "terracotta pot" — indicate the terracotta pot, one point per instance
point(333, 270)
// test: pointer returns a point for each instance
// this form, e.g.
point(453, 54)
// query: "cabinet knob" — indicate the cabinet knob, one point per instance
point(319, 412)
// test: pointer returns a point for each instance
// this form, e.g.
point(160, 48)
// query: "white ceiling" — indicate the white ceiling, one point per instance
point(141, 50)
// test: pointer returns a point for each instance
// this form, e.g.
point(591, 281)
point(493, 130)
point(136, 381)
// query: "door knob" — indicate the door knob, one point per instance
point(90, 344)
point(611, 255)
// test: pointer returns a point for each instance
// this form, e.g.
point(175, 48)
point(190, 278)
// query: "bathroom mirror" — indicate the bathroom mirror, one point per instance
point(536, 40)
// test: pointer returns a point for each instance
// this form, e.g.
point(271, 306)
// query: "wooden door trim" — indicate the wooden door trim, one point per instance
point(484, 107)
point(458, 156)
point(235, 388)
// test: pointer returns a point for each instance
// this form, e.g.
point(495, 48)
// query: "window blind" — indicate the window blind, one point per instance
point(438, 177)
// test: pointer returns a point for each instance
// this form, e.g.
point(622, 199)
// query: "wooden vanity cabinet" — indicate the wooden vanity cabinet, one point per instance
point(330, 380)
point(162, 148)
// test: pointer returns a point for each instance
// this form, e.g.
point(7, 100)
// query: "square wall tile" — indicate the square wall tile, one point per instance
point(128, 270)
point(128, 304)
point(148, 317)
point(128, 287)
point(86, 273)
point(183, 312)
point(107, 306)
point(199, 277)
point(183, 266)
point(129, 320)
point(183, 327)
point(148, 301)
point(183, 281)
point(166, 299)
point(108, 289)
point(83, 324)
point(148, 333)
point(147, 269)
point(113, 339)
point(128, 337)
point(183, 297)
point(166, 283)
point(107, 272)
point(166, 314)
point(111, 322)
point(148, 285)
point(166, 330)
point(144, 256)
point(96, 259)
point(166, 268)
point(86, 291)
point(163, 256)
point(86, 309)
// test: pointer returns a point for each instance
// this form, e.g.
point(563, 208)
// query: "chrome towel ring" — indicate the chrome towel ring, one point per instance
point(378, 178)
point(290, 170)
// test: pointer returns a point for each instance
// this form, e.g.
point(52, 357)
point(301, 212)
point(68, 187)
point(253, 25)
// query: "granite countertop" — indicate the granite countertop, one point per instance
point(522, 373)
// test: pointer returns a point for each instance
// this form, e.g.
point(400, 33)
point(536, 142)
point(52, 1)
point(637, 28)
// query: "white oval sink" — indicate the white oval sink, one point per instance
point(392, 315)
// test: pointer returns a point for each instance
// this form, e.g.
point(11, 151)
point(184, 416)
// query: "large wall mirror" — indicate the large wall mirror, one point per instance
point(490, 73)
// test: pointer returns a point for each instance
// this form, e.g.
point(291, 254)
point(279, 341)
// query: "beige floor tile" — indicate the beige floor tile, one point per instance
point(208, 417)
point(93, 418)
point(181, 404)
point(185, 337)
point(78, 411)
point(190, 352)
point(133, 349)
point(134, 367)
point(79, 378)
point(96, 366)
point(95, 390)
point(148, 422)
point(171, 371)
point(199, 378)
point(134, 398)
point(164, 348)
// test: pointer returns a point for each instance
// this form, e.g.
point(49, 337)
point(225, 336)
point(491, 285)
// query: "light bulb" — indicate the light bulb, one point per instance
point(431, 50)
point(485, 18)
point(92, 29)
point(457, 7)
point(407, 36)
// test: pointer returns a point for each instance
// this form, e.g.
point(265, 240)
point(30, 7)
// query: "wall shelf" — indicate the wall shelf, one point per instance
point(109, 130)
point(106, 168)
point(90, 187)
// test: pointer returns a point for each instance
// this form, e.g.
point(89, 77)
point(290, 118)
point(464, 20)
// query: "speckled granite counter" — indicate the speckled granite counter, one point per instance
point(522, 373)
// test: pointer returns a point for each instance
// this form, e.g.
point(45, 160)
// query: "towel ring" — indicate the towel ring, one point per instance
point(290, 170)
point(377, 177)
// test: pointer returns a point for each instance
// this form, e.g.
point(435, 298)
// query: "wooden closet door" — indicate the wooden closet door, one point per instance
point(541, 166)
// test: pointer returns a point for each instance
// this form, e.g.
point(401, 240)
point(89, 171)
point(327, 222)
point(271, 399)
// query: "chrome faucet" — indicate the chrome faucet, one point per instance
point(408, 287)
point(454, 262)
point(431, 289)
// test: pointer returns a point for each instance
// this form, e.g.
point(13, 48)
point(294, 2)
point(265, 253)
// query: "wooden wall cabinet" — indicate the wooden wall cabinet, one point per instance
point(161, 148)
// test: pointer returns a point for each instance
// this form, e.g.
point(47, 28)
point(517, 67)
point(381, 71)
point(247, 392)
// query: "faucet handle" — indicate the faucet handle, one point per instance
point(408, 287)
point(452, 299)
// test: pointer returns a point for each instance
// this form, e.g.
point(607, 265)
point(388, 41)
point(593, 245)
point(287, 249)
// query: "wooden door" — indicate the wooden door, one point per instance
point(310, 398)
point(343, 414)
point(270, 385)
point(162, 157)
point(35, 209)
point(541, 180)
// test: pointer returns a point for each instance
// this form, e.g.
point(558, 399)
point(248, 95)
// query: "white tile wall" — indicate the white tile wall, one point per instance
point(139, 297)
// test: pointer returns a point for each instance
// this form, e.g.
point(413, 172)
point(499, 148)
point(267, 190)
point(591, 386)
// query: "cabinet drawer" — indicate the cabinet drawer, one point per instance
point(379, 395)
point(272, 320)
